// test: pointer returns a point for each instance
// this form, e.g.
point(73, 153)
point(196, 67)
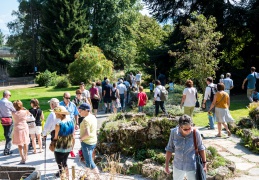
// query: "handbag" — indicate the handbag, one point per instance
point(52, 145)
point(31, 125)
point(30, 118)
point(200, 173)
point(6, 121)
point(96, 96)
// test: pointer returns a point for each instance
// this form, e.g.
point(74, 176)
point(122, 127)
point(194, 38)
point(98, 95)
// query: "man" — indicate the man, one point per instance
point(85, 93)
point(138, 79)
point(51, 121)
point(251, 81)
point(161, 78)
point(6, 109)
point(127, 84)
point(123, 92)
point(72, 109)
point(107, 96)
point(228, 83)
point(207, 100)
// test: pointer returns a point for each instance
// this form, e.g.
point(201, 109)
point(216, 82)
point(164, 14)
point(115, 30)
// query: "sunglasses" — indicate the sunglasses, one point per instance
point(67, 97)
point(186, 129)
point(78, 93)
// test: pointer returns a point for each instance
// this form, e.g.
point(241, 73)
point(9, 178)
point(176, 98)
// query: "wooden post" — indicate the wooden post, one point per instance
point(73, 173)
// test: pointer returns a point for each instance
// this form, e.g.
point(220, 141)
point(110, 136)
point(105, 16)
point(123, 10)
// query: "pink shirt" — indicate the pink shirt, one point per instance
point(142, 98)
point(93, 91)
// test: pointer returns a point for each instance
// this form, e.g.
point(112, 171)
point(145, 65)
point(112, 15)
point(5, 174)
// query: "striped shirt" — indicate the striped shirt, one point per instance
point(6, 108)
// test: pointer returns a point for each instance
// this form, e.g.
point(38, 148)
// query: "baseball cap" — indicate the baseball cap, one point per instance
point(85, 106)
point(53, 100)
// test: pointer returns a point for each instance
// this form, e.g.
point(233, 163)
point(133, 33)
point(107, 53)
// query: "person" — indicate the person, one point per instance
point(127, 84)
point(221, 103)
point(151, 87)
point(182, 145)
point(161, 77)
point(189, 98)
point(157, 99)
point(21, 130)
point(88, 136)
point(251, 81)
point(99, 87)
point(94, 94)
point(79, 99)
point(39, 117)
point(221, 78)
point(73, 112)
point(255, 95)
point(107, 96)
point(6, 109)
point(132, 77)
point(171, 86)
point(115, 97)
point(142, 99)
point(85, 93)
point(51, 121)
point(64, 130)
point(207, 102)
point(138, 79)
point(228, 83)
point(122, 92)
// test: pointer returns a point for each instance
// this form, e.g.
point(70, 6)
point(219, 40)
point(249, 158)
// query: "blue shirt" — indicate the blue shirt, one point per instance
point(251, 80)
point(183, 147)
point(71, 108)
point(255, 96)
point(151, 86)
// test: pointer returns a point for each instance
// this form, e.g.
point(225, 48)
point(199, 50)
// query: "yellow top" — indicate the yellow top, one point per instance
point(222, 103)
point(89, 122)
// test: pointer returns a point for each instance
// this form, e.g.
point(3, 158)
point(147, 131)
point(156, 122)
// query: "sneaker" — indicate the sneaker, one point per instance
point(106, 110)
point(8, 153)
point(72, 154)
point(57, 175)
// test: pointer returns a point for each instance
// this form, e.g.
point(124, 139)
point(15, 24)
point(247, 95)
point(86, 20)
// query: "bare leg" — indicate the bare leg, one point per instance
point(21, 152)
point(219, 128)
point(39, 141)
point(95, 112)
point(33, 140)
point(226, 127)
point(25, 151)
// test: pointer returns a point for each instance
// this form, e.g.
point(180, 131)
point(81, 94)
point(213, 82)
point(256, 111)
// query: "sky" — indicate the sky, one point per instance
point(6, 8)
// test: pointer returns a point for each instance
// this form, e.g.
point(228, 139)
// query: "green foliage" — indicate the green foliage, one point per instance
point(136, 168)
point(218, 161)
point(213, 151)
point(46, 78)
point(1, 38)
point(62, 82)
point(90, 64)
point(253, 112)
point(141, 154)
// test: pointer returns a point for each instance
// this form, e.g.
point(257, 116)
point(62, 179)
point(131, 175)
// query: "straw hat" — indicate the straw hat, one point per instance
point(60, 110)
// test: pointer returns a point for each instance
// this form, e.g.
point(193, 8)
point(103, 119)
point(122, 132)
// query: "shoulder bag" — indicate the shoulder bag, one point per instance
point(200, 173)
point(31, 120)
point(52, 145)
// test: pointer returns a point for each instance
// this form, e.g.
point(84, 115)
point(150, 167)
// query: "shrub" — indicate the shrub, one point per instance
point(46, 78)
point(62, 82)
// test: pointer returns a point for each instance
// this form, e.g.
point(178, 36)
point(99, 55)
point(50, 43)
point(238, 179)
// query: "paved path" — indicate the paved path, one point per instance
point(247, 163)
point(38, 159)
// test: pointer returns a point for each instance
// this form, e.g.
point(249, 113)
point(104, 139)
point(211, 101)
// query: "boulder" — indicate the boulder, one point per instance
point(154, 171)
point(222, 173)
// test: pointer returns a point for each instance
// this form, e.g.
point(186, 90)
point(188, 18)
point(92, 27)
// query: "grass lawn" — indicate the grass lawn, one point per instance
point(42, 94)
point(238, 110)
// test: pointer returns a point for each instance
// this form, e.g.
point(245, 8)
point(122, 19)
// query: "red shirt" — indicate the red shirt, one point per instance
point(142, 96)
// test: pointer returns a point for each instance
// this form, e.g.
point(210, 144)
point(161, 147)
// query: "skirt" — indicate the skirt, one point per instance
point(223, 115)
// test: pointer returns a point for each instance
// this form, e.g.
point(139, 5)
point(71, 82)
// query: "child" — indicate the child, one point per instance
point(255, 96)
point(142, 99)
point(151, 87)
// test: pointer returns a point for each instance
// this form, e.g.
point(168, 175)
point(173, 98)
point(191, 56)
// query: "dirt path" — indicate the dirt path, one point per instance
point(18, 86)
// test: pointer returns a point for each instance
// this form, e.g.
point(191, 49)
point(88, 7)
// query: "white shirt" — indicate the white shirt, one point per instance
point(138, 77)
point(208, 90)
point(157, 92)
point(122, 88)
point(190, 99)
point(228, 83)
point(86, 94)
point(50, 124)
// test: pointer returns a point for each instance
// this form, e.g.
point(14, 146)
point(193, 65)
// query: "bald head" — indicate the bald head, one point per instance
point(6, 94)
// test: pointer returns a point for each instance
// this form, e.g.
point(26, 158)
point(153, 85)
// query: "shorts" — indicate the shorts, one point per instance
point(107, 99)
point(95, 103)
point(35, 130)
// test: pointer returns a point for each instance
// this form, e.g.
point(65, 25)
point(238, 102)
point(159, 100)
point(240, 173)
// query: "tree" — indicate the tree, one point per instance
point(64, 31)
point(90, 64)
point(112, 23)
point(1, 38)
point(201, 52)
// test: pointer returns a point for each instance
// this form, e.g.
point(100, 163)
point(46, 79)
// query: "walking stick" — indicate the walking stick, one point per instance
point(45, 155)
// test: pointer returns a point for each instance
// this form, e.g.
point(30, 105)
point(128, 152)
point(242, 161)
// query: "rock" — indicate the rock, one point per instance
point(222, 173)
point(132, 116)
point(155, 172)
point(108, 148)
point(232, 167)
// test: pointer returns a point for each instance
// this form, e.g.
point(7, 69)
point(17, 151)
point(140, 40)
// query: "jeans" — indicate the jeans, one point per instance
point(8, 137)
point(140, 108)
point(210, 117)
point(87, 153)
point(162, 106)
point(122, 101)
point(179, 174)
point(61, 159)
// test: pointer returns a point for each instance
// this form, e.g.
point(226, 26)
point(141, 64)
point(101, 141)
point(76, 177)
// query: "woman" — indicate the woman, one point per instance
point(221, 103)
point(64, 130)
point(189, 98)
point(95, 97)
point(115, 96)
point(157, 99)
point(79, 100)
point(88, 136)
point(39, 116)
point(181, 143)
point(142, 99)
point(21, 130)
point(99, 87)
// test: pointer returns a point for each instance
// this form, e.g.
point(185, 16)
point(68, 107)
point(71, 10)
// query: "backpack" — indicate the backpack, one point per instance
point(163, 94)
point(113, 96)
point(213, 91)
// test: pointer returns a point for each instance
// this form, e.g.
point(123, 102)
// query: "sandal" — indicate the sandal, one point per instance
point(34, 152)
point(218, 135)
point(229, 133)
point(22, 162)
